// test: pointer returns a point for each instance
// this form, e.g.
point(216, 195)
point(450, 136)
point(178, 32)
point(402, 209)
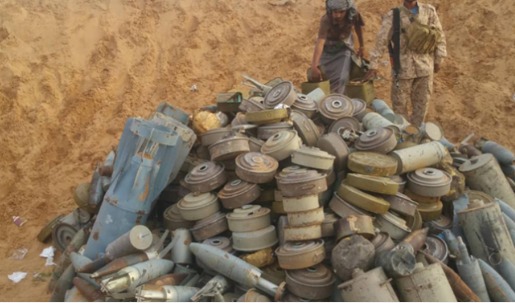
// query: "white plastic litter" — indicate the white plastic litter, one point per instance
point(48, 253)
point(17, 276)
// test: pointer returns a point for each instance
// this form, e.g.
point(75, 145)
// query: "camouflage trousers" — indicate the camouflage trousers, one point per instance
point(418, 91)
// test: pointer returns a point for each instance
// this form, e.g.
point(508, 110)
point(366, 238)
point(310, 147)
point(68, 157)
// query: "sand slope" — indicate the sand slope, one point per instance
point(72, 72)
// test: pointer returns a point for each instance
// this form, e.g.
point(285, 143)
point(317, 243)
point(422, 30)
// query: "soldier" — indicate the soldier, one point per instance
point(335, 45)
point(416, 52)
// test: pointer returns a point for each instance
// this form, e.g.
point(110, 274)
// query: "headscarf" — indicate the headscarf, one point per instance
point(339, 4)
point(347, 5)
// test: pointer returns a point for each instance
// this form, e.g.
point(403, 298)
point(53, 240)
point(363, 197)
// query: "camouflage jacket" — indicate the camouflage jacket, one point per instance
point(413, 65)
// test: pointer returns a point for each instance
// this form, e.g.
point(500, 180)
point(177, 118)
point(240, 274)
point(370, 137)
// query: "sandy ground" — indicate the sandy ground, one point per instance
point(72, 72)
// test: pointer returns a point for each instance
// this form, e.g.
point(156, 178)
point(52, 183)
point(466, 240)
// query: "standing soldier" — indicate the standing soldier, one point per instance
point(416, 42)
point(335, 45)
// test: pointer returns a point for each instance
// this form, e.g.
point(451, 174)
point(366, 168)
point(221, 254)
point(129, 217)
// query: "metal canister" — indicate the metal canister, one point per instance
point(419, 156)
point(255, 240)
point(345, 123)
point(172, 218)
point(282, 93)
point(297, 255)
point(335, 106)
point(501, 153)
point(294, 181)
point(229, 148)
point(180, 253)
point(281, 145)
point(308, 217)
point(374, 120)
point(370, 286)
point(355, 225)
point(429, 182)
point(305, 127)
point(266, 131)
point(300, 203)
point(360, 108)
point(381, 140)
point(425, 284)
point(237, 193)
point(372, 163)
point(486, 233)
point(334, 144)
point(312, 157)
point(305, 104)
point(484, 173)
point(256, 167)
point(214, 135)
point(210, 226)
point(313, 283)
point(205, 177)
point(248, 218)
point(196, 206)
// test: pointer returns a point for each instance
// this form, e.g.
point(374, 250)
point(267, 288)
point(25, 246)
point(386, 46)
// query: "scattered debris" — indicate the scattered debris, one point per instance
point(17, 276)
point(19, 253)
point(19, 221)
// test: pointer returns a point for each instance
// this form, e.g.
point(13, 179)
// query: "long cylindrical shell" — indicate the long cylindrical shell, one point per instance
point(419, 156)
point(484, 173)
point(371, 286)
point(486, 232)
point(426, 284)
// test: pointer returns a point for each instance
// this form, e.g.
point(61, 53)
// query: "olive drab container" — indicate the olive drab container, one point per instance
point(150, 154)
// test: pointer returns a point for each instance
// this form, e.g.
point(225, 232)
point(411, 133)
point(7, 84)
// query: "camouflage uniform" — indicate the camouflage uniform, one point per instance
point(415, 79)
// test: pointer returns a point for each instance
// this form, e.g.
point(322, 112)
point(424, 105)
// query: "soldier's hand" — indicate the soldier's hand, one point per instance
point(371, 74)
point(436, 68)
point(316, 74)
point(361, 52)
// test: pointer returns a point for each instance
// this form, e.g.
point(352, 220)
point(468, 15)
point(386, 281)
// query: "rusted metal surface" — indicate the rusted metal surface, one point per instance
point(355, 225)
point(336, 106)
point(313, 283)
point(281, 145)
point(248, 218)
point(237, 193)
point(256, 167)
point(209, 227)
point(205, 177)
point(429, 182)
point(294, 181)
point(196, 206)
point(381, 140)
point(282, 93)
point(297, 255)
point(305, 127)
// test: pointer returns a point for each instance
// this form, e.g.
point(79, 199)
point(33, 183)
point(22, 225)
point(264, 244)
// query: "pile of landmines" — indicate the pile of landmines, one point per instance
point(289, 197)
